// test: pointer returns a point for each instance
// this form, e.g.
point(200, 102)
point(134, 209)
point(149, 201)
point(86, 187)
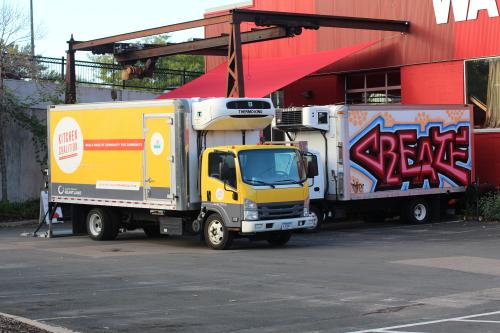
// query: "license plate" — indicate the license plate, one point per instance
point(286, 226)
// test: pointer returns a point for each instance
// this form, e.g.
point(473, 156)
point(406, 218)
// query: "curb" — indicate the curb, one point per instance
point(34, 323)
point(14, 224)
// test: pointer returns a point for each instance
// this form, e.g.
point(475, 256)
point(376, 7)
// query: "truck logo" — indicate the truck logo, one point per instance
point(250, 111)
point(463, 10)
point(157, 143)
point(393, 157)
point(67, 145)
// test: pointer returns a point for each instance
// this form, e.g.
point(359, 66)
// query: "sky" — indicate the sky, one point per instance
point(90, 19)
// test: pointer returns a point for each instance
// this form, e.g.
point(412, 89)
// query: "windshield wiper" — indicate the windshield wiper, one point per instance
point(291, 181)
point(260, 182)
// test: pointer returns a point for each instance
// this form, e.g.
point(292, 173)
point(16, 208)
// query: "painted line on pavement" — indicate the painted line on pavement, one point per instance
point(392, 329)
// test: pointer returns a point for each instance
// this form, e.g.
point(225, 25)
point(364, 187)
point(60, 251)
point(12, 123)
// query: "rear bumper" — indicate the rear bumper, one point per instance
point(250, 227)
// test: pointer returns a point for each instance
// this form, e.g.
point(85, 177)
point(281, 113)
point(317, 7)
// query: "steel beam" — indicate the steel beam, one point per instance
point(314, 21)
point(88, 45)
point(209, 46)
point(235, 79)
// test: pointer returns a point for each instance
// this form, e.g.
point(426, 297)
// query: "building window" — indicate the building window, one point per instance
point(373, 87)
point(483, 91)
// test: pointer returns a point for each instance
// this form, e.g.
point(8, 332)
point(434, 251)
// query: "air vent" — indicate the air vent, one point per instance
point(289, 117)
point(308, 118)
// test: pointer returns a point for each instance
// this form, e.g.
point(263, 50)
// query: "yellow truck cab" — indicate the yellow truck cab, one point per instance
point(253, 189)
point(175, 167)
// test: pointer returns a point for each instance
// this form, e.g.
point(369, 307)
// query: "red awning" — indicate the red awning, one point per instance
point(263, 76)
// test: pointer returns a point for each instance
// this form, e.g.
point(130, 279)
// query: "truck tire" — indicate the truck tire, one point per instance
point(319, 214)
point(217, 236)
point(152, 231)
point(101, 224)
point(417, 211)
point(279, 239)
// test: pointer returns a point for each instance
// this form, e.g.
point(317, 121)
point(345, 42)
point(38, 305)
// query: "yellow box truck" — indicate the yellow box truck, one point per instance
point(174, 167)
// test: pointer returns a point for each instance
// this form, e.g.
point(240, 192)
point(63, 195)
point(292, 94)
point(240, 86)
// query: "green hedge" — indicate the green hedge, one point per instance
point(11, 211)
point(489, 207)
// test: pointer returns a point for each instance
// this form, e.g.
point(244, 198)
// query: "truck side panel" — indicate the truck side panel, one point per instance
point(402, 151)
point(99, 154)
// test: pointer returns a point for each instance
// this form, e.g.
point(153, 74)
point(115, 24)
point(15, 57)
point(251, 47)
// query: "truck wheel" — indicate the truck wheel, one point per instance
point(279, 239)
point(101, 224)
point(418, 211)
point(317, 213)
point(152, 231)
point(217, 236)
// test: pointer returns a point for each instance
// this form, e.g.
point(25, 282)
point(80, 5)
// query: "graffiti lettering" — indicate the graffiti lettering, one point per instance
point(393, 158)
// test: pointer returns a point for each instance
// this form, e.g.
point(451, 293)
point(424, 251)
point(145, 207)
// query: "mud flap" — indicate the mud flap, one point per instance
point(171, 226)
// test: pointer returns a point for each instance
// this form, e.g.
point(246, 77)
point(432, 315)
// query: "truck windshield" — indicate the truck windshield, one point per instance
point(271, 167)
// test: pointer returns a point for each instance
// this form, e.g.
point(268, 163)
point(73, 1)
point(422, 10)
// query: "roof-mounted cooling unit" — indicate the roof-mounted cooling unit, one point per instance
point(305, 118)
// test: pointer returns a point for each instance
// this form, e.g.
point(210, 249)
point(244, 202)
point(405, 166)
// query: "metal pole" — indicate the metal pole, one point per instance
point(32, 30)
point(70, 96)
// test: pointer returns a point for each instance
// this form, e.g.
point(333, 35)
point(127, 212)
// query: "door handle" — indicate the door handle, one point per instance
point(148, 180)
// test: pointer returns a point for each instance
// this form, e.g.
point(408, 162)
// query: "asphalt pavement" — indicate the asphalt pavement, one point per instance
point(442, 277)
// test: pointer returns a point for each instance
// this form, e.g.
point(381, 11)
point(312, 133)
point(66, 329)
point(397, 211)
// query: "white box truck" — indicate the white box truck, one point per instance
point(175, 167)
point(384, 160)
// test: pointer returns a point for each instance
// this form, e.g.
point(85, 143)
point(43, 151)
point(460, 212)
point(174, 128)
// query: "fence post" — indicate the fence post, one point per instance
point(62, 69)
point(183, 77)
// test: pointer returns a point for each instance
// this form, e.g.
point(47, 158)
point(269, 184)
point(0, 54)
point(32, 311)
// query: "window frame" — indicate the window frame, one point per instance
point(365, 90)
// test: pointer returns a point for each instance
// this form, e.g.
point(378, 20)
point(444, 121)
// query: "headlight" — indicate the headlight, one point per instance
point(250, 212)
point(306, 211)
point(249, 205)
point(251, 215)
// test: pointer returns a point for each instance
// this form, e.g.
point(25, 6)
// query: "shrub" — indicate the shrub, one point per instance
point(11, 211)
point(489, 206)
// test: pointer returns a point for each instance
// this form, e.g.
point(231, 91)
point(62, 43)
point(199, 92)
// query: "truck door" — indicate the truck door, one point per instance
point(159, 179)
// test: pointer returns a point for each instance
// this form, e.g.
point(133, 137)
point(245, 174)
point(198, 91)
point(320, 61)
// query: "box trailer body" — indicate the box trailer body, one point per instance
point(385, 152)
point(142, 162)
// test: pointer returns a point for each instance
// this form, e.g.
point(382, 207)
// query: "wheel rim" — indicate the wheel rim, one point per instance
point(216, 232)
point(420, 212)
point(95, 225)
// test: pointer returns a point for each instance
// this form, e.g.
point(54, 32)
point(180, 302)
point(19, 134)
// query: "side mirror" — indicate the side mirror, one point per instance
point(235, 194)
point(312, 170)
point(311, 163)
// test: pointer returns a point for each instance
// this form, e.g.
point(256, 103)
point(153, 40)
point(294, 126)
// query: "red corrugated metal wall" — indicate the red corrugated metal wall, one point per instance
point(438, 83)
point(316, 90)
point(427, 42)
point(487, 160)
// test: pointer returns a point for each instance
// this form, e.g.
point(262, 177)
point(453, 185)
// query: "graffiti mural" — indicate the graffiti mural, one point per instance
point(394, 152)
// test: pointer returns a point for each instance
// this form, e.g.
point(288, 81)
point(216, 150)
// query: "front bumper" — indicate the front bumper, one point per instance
point(250, 227)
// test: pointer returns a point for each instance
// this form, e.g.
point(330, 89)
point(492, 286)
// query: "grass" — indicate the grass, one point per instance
point(14, 211)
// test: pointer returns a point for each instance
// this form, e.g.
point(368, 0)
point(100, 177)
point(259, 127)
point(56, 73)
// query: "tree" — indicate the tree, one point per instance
point(15, 63)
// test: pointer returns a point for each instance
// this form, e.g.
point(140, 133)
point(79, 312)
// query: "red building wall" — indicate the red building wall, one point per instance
point(427, 41)
point(438, 83)
point(315, 90)
point(487, 158)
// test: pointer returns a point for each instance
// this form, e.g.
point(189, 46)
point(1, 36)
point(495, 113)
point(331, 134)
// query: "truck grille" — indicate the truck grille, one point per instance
point(280, 211)
point(290, 116)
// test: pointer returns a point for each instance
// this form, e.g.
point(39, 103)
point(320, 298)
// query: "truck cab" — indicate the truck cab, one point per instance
point(255, 191)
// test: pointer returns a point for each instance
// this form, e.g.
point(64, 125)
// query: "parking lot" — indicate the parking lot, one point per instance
point(442, 277)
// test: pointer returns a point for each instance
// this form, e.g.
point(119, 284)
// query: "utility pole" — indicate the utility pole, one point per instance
point(32, 30)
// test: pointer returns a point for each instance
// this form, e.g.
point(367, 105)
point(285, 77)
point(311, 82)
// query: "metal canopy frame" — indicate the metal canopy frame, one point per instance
point(272, 25)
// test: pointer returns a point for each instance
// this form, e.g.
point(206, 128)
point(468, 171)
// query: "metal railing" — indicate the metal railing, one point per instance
point(104, 74)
